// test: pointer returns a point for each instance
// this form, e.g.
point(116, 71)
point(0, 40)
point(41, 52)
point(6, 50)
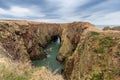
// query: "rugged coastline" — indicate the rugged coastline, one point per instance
point(87, 52)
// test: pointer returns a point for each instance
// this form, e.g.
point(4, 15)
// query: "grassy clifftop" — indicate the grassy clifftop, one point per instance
point(24, 71)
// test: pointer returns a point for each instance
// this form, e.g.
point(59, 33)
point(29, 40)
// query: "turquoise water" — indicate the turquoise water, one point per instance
point(50, 62)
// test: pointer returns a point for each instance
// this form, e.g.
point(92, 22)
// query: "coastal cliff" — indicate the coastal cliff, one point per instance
point(86, 52)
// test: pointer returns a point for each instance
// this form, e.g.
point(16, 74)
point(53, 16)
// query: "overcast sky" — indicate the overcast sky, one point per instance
point(94, 11)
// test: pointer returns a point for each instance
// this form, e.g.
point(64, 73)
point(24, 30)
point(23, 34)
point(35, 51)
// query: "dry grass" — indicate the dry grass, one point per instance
point(24, 71)
point(45, 74)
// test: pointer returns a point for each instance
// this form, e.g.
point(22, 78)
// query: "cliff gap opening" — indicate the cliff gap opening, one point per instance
point(51, 50)
point(56, 39)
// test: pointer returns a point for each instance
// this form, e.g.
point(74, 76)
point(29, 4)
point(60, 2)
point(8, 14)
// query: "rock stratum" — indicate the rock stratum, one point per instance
point(87, 52)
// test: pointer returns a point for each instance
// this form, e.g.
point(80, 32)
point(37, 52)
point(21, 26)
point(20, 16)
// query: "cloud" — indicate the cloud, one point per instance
point(66, 8)
point(16, 11)
point(95, 11)
point(111, 19)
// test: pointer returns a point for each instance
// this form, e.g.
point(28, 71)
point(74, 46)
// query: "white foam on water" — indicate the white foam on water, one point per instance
point(58, 40)
point(48, 55)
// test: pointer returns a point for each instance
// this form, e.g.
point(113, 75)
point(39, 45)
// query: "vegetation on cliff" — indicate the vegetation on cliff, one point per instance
point(24, 71)
point(95, 58)
point(87, 53)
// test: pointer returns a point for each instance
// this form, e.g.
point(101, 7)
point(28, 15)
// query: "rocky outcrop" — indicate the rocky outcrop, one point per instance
point(87, 52)
point(117, 28)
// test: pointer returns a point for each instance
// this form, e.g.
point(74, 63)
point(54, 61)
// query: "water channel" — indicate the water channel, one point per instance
point(50, 62)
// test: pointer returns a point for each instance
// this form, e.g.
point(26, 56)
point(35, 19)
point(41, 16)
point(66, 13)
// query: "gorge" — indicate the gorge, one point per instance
point(85, 52)
point(50, 61)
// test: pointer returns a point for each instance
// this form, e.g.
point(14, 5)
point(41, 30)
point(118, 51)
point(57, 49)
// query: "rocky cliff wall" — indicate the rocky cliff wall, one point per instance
point(26, 40)
point(87, 52)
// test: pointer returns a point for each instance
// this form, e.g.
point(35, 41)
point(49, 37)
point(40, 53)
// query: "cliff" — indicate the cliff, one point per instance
point(25, 40)
point(96, 57)
point(87, 52)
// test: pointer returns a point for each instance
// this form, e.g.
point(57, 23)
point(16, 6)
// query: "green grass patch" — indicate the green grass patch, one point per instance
point(99, 50)
point(96, 77)
point(12, 76)
point(94, 33)
point(20, 78)
point(106, 41)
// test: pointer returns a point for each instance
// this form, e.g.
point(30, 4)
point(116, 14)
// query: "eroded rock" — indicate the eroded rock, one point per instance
point(88, 53)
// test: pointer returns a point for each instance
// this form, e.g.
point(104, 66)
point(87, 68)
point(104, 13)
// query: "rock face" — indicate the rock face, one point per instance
point(70, 37)
point(97, 57)
point(26, 40)
point(87, 52)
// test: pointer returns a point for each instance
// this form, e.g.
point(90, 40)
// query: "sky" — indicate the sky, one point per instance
point(98, 12)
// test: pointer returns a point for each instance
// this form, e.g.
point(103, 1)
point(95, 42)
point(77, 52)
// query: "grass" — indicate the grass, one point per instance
point(94, 33)
point(96, 77)
point(12, 76)
point(24, 71)
point(106, 41)
point(10, 71)
point(119, 51)
point(99, 50)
